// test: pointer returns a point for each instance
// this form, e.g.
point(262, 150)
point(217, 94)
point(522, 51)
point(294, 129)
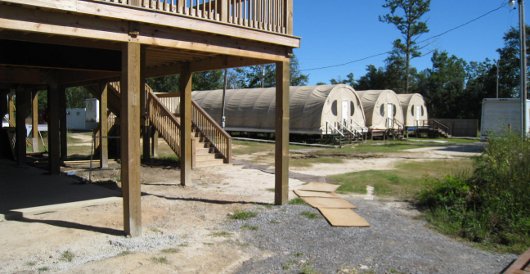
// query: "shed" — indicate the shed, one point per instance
point(313, 109)
point(414, 109)
point(382, 109)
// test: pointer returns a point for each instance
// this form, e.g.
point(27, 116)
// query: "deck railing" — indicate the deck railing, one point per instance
point(266, 15)
point(203, 122)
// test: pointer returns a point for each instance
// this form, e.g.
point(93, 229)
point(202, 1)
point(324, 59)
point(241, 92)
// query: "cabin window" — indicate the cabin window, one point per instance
point(382, 110)
point(394, 110)
point(334, 108)
point(422, 111)
point(412, 110)
point(352, 108)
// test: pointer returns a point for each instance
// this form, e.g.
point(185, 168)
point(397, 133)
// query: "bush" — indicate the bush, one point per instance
point(490, 206)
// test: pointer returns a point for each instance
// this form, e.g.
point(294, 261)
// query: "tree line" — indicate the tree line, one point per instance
point(452, 86)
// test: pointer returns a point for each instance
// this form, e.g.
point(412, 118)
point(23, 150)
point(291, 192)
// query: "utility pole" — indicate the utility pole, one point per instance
point(522, 37)
point(497, 87)
point(223, 117)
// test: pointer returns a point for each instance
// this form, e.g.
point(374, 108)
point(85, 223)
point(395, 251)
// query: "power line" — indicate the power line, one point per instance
point(422, 41)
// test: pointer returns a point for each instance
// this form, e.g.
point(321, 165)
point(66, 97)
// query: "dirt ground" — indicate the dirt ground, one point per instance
point(183, 227)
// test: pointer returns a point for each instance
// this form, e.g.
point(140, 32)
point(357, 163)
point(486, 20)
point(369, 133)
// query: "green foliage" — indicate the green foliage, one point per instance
point(76, 96)
point(491, 206)
point(297, 201)
point(67, 256)
point(249, 227)
point(309, 215)
point(243, 215)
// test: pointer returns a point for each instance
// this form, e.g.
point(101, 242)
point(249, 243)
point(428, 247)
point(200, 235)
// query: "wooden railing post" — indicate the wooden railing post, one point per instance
point(223, 10)
point(281, 154)
point(288, 17)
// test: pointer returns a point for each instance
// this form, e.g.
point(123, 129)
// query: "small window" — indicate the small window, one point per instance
point(394, 110)
point(412, 110)
point(352, 108)
point(382, 109)
point(422, 111)
point(334, 108)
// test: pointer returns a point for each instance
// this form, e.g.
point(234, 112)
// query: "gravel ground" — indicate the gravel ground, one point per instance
point(396, 242)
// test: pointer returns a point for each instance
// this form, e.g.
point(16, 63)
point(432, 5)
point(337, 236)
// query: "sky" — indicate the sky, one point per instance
point(338, 31)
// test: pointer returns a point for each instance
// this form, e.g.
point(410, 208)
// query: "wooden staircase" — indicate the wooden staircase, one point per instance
point(211, 145)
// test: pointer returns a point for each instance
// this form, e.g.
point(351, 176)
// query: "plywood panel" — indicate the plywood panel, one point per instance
point(320, 202)
point(343, 217)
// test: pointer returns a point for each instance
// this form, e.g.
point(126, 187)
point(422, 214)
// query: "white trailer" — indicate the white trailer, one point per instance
point(502, 114)
point(83, 118)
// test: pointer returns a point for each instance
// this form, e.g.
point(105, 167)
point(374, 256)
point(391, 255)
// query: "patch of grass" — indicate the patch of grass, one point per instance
point(184, 244)
point(309, 214)
point(307, 269)
point(159, 260)
point(249, 227)
point(31, 263)
point(243, 215)
point(224, 234)
point(169, 250)
point(67, 256)
point(297, 201)
point(249, 147)
point(43, 269)
point(125, 253)
point(405, 181)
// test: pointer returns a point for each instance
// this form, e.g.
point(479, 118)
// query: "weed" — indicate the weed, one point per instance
point(249, 227)
point(159, 260)
point(125, 253)
point(170, 250)
point(243, 215)
point(67, 256)
point(309, 214)
point(490, 206)
point(184, 244)
point(43, 269)
point(31, 263)
point(297, 201)
point(221, 234)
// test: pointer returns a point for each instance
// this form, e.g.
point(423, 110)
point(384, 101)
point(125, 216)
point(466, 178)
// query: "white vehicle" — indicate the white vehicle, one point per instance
point(502, 114)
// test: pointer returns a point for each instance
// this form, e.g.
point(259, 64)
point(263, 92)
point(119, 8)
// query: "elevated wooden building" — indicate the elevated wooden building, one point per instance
point(54, 44)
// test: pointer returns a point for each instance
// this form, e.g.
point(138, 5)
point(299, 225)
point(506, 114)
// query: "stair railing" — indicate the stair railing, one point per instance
point(213, 132)
point(437, 125)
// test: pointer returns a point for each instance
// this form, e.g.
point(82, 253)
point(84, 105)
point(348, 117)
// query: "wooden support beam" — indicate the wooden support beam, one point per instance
point(144, 119)
point(103, 128)
point(59, 57)
point(281, 154)
point(35, 121)
point(11, 109)
point(54, 142)
point(3, 105)
point(130, 132)
point(62, 124)
point(22, 104)
point(185, 123)
point(154, 142)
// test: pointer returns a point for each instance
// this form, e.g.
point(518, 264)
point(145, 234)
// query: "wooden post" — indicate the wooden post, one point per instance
point(143, 110)
point(11, 109)
point(130, 132)
point(62, 124)
point(289, 16)
point(3, 105)
point(281, 154)
point(21, 113)
point(154, 142)
point(54, 143)
point(223, 10)
point(35, 121)
point(103, 127)
point(185, 121)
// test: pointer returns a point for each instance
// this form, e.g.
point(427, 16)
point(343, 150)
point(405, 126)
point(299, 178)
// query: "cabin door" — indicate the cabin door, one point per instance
point(345, 112)
point(390, 115)
point(417, 114)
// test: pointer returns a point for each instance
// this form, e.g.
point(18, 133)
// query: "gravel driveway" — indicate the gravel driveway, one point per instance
point(396, 242)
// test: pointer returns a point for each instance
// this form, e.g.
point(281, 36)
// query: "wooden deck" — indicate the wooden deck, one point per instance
point(55, 44)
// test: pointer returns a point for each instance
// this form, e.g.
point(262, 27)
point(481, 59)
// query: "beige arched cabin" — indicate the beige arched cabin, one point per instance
point(382, 109)
point(313, 109)
point(414, 109)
